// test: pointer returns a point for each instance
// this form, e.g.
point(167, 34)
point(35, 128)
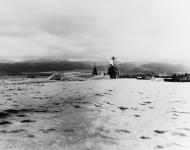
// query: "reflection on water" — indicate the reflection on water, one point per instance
point(102, 114)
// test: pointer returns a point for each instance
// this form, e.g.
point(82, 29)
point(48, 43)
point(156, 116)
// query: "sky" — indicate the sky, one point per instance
point(131, 30)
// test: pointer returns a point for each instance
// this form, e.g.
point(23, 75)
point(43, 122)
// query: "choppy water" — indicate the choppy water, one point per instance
point(97, 114)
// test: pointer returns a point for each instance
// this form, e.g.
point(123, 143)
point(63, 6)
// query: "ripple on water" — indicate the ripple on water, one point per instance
point(123, 108)
point(159, 131)
point(179, 134)
point(12, 131)
point(5, 123)
point(47, 130)
point(27, 121)
point(187, 129)
point(123, 130)
point(159, 147)
point(144, 137)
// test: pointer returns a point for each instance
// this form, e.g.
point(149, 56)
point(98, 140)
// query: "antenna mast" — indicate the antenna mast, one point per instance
point(113, 59)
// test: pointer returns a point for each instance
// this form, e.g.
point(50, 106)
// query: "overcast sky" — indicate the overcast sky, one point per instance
point(131, 30)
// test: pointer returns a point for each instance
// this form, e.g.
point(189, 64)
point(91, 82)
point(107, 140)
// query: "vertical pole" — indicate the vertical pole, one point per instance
point(113, 58)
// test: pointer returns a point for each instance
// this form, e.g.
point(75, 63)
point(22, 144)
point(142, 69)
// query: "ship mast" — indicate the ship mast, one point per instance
point(113, 60)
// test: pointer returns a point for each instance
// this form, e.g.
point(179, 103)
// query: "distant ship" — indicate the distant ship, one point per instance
point(94, 71)
point(179, 78)
point(113, 70)
point(146, 76)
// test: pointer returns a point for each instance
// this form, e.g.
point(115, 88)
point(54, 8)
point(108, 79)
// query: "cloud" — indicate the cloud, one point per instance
point(87, 29)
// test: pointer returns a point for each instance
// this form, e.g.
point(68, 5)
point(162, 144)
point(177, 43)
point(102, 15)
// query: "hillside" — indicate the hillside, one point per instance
point(24, 67)
point(47, 66)
point(152, 67)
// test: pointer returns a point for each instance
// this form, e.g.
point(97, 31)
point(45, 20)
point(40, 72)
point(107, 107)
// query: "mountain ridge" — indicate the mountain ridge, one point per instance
point(53, 65)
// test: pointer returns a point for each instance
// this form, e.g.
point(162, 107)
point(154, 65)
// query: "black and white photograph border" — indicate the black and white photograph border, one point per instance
point(94, 75)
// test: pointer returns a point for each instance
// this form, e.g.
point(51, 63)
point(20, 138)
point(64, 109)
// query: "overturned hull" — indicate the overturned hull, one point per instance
point(63, 77)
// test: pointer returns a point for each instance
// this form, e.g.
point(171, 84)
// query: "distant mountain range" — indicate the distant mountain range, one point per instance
point(44, 66)
point(47, 66)
point(152, 67)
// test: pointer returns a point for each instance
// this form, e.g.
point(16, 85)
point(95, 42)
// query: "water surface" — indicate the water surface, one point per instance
point(95, 114)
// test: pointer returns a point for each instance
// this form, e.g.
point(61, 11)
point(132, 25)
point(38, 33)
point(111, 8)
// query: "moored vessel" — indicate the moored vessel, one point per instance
point(179, 78)
point(113, 70)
